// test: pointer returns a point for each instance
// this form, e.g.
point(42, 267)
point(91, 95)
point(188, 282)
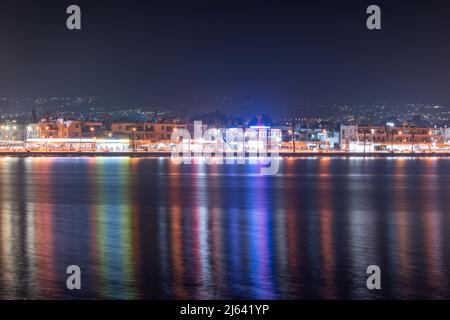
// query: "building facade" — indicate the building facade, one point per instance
point(146, 131)
point(391, 138)
point(11, 131)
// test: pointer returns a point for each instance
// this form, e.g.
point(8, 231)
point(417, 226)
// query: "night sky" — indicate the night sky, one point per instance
point(241, 57)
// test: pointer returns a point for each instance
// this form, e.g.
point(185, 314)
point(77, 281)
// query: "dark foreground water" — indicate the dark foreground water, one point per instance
point(147, 228)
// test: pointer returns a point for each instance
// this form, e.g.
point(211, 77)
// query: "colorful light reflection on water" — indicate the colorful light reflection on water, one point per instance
point(151, 229)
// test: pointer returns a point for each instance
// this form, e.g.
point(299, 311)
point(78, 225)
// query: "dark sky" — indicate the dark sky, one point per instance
point(240, 56)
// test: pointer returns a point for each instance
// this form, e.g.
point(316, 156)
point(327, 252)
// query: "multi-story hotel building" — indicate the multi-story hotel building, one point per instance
point(146, 131)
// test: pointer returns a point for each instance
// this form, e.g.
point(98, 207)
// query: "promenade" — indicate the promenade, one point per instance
point(156, 154)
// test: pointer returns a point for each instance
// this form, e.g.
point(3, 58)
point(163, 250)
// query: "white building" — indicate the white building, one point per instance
point(347, 135)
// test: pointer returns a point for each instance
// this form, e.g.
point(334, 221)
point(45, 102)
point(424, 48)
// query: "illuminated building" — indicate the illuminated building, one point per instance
point(12, 131)
point(69, 129)
point(146, 131)
point(390, 138)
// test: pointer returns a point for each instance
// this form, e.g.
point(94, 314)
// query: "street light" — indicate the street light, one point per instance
point(364, 137)
point(401, 140)
point(92, 130)
point(432, 140)
point(327, 139)
point(293, 141)
point(134, 138)
point(293, 135)
point(46, 138)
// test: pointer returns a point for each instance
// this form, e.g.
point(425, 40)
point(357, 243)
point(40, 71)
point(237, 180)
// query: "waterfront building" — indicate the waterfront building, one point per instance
point(146, 131)
point(310, 139)
point(33, 131)
point(391, 138)
point(49, 128)
point(446, 133)
point(91, 129)
point(69, 129)
point(12, 131)
point(347, 136)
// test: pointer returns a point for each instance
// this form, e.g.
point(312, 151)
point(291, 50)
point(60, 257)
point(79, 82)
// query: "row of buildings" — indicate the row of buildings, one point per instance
point(78, 135)
point(60, 134)
point(393, 138)
point(68, 129)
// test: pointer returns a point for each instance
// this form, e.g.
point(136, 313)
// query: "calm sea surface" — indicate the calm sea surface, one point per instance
point(151, 229)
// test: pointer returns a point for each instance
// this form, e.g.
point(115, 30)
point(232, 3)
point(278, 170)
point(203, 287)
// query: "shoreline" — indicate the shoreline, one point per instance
point(167, 154)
